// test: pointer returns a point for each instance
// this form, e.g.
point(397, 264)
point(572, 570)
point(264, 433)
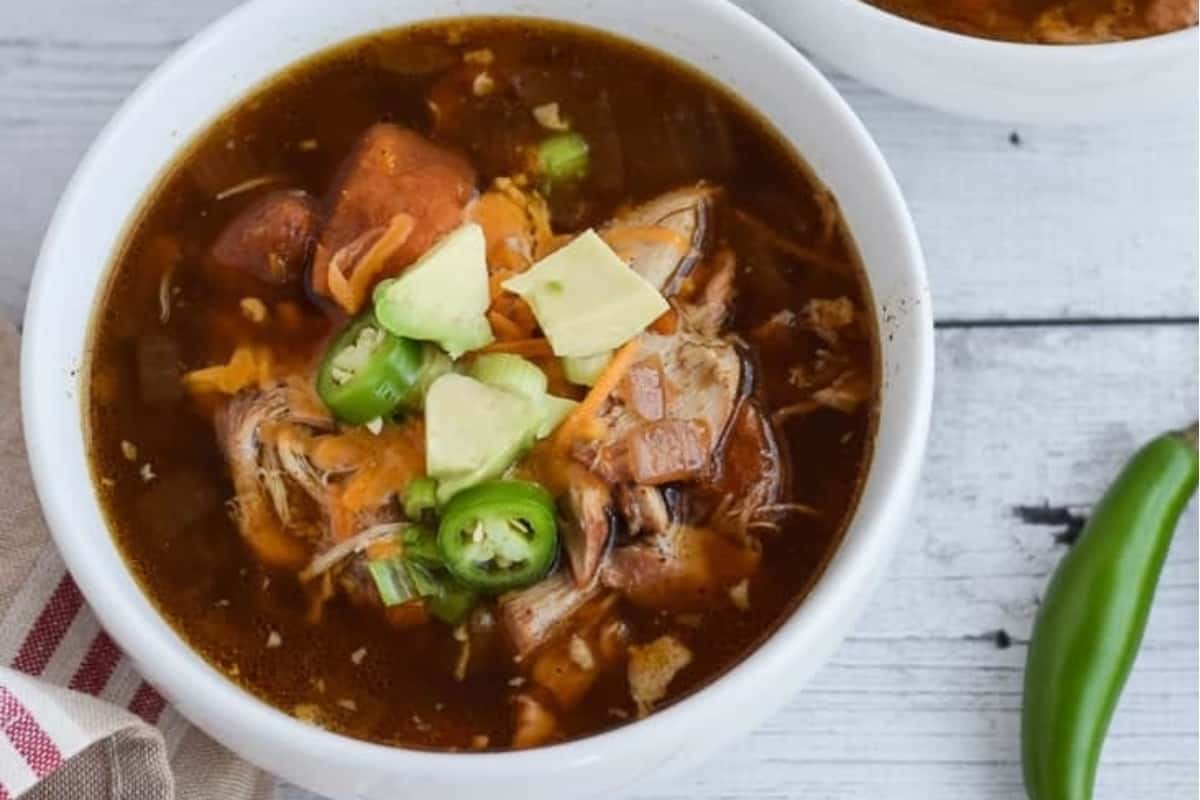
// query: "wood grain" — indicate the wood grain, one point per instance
point(1086, 229)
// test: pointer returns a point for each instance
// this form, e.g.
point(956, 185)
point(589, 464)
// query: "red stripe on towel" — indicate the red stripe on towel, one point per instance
point(147, 703)
point(27, 737)
point(49, 628)
point(97, 666)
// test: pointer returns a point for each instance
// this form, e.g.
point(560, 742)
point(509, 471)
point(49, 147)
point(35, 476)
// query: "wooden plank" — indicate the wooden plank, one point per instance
point(919, 703)
point(1046, 223)
point(1079, 223)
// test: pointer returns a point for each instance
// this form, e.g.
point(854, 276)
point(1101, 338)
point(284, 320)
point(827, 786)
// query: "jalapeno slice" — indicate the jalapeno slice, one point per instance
point(499, 535)
point(367, 372)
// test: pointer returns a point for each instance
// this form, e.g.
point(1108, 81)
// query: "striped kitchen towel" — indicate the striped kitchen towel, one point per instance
point(78, 722)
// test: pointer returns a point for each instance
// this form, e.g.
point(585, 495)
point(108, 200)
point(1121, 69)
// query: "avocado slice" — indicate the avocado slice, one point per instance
point(474, 432)
point(585, 370)
point(443, 297)
point(554, 411)
point(586, 299)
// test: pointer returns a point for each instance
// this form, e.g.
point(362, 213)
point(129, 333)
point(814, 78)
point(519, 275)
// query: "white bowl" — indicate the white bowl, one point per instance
point(216, 69)
point(1003, 81)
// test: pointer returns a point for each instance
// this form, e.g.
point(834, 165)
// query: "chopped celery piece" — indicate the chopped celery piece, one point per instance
point(420, 497)
point(563, 158)
point(423, 578)
point(443, 297)
point(420, 544)
point(510, 373)
point(392, 581)
point(420, 574)
point(586, 299)
point(585, 370)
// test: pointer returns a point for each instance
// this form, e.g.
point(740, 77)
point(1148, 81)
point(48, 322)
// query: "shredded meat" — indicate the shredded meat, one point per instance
point(652, 667)
point(644, 509)
point(1076, 21)
point(667, 451)
point(569, 666)
point(643, 389)
point(684, 568)
point(587, 522)
point(707, 314)
point(828, 318)
point(751, 467)
point(665, 238)
point(531, 616)
point(702, 378)
point(277, 503)
point(846, 393)
point(535, 724)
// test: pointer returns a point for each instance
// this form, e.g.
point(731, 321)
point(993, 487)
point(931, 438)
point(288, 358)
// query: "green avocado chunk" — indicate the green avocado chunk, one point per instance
point(443, 297)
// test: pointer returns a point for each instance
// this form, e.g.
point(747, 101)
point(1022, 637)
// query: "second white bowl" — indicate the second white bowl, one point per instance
point(1002, 81)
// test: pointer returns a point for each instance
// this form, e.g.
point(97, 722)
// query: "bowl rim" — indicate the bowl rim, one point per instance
point(853, 568)
point(1049, 52)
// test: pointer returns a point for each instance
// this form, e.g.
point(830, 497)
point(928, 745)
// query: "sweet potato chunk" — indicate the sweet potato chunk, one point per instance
point(270, 239)
point(392, 171)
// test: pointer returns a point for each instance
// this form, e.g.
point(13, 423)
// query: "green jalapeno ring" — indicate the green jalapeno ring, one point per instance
point(367, 372)
point(499, 535)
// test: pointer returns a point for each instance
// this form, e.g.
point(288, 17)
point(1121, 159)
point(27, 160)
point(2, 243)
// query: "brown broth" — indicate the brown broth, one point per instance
point(1050, 21)
point(673, 126)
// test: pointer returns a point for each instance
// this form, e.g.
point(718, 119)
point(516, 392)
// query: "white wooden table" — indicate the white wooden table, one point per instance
point(1064, 271)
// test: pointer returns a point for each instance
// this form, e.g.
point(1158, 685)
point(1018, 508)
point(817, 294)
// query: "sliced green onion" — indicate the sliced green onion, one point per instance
point(420, 497)
point(563, 158)
point(393, 582)
point(510, 373)
point(423, 579)
point(420, 544)
point(453, 605)
point(419, 573)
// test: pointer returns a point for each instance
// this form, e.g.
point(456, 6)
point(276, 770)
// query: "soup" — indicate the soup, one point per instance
point(1050, 21)
point(482, 385)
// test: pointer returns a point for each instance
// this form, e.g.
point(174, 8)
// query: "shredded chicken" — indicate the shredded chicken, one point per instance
point(530, 616)
point(827, 318)
point(328, 559)
point(652, 667)
point(682, 569)
point(644, 509)
point(666, 237)
point(535, 724)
